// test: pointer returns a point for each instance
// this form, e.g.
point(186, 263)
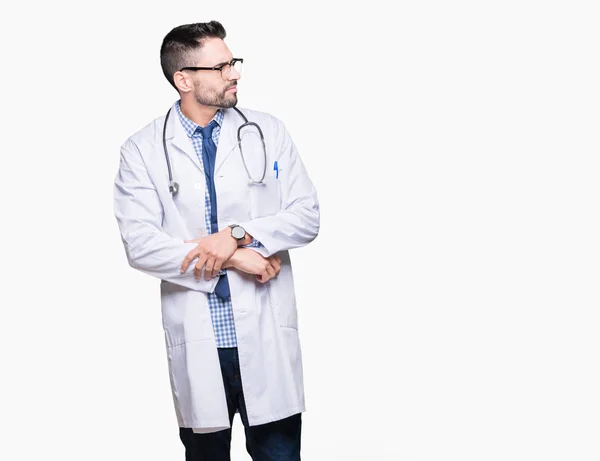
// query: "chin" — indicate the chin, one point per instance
point(229, 102)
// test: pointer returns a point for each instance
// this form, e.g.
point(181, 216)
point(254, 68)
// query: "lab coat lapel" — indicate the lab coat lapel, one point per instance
point(178, 141)
point(227, 137)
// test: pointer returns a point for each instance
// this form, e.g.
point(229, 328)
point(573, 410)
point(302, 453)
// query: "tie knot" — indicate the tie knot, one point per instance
point(208, 129)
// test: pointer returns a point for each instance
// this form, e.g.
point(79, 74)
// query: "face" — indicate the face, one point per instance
point(208, 86)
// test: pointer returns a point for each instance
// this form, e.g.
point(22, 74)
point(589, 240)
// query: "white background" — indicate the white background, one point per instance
point(449, 307)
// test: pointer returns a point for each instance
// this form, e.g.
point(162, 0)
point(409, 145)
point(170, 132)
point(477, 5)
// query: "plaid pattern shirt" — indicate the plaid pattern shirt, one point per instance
point(221, 311)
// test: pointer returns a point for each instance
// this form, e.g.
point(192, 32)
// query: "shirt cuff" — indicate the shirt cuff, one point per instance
point(255, 243)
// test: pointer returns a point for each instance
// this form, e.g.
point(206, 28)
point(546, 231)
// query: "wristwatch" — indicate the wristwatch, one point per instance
point(237, 232)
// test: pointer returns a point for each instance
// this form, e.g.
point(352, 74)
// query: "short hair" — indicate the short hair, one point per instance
point(180, 45)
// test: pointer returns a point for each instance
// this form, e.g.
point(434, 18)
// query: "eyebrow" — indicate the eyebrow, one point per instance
point(221, 63)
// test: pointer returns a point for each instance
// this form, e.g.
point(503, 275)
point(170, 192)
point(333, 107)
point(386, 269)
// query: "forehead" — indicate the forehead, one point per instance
point(213, 52)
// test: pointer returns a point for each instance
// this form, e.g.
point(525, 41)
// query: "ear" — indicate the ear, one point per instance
point(183, 82)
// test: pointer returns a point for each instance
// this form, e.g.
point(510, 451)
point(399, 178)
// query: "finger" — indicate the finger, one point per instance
point(199, 265)
point(277, 260)
point(217, 268)
point(209, 272)
point(218, 261)
point(270, 272)
point(188, 259)
point(263, 275)
point(276, 266)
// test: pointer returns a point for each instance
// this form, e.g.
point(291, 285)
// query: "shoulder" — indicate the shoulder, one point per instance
point(147, 133)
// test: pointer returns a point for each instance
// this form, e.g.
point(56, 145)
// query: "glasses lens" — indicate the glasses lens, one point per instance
point(238, 66)
point(226, 70)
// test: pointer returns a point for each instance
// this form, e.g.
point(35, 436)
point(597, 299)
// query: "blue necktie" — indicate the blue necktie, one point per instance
point(209, 153)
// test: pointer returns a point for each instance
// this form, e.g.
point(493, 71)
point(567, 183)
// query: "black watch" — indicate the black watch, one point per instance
point(237, 232)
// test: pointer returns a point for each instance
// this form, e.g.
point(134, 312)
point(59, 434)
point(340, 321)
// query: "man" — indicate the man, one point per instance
point(214, 218)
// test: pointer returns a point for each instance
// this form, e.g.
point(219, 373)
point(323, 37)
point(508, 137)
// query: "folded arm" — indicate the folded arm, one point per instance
point(249, 261)
point(297, 224)
point(139, 215)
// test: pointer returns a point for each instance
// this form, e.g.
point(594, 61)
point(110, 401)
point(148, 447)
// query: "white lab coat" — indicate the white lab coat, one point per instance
point(283, 214)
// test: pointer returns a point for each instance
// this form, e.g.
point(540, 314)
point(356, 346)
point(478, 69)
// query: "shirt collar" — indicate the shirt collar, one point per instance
point(191, 127)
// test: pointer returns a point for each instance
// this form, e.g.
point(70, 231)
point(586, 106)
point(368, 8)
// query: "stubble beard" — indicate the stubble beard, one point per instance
point(222, 100)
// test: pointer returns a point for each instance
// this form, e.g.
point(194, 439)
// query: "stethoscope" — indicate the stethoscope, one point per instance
point(174, 186)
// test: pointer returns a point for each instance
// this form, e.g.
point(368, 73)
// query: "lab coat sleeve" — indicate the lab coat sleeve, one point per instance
point(297, 224)
point(139, 213)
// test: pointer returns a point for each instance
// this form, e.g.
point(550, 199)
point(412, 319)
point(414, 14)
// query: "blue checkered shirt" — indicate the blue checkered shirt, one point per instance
point(220, 311)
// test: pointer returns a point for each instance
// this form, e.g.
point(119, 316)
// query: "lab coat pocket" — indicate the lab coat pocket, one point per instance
point(265, 198)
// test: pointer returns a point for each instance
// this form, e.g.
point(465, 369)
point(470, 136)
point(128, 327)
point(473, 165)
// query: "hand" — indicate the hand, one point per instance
point(212, 251)
point(251, 262)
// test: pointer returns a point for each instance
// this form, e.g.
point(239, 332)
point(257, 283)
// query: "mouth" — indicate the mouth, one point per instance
point(231, 89)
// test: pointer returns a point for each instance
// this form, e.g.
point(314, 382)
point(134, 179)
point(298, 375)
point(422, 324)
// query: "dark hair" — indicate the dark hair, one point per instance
point(180, 45)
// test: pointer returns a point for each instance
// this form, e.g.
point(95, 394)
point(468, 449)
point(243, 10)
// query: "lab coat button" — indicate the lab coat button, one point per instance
point(198, 185)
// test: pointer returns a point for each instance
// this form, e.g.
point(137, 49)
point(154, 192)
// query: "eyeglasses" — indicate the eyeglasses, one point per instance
point(225, 69)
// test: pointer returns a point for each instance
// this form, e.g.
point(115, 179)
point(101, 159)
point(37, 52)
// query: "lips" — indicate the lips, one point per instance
point(232, 89)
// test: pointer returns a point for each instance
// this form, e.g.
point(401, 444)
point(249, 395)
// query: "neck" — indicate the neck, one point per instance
point(198, 113)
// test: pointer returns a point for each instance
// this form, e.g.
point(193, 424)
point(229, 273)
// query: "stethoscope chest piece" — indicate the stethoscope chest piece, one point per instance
point(173, 188)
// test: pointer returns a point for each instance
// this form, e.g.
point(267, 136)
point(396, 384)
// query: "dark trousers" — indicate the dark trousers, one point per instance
point(274, 441)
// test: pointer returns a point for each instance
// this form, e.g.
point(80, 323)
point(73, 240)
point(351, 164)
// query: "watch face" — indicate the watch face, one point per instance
point(238, 232)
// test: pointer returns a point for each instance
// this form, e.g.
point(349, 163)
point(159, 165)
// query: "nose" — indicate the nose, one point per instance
point(234, 74)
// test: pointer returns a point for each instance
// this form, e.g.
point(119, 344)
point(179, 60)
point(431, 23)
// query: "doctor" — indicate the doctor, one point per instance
point(214, 218)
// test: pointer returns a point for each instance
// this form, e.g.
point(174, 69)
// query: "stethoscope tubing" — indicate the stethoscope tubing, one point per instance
point(174, 187)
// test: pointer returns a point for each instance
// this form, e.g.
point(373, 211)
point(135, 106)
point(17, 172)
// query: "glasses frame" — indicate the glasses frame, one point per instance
point(219, 68)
